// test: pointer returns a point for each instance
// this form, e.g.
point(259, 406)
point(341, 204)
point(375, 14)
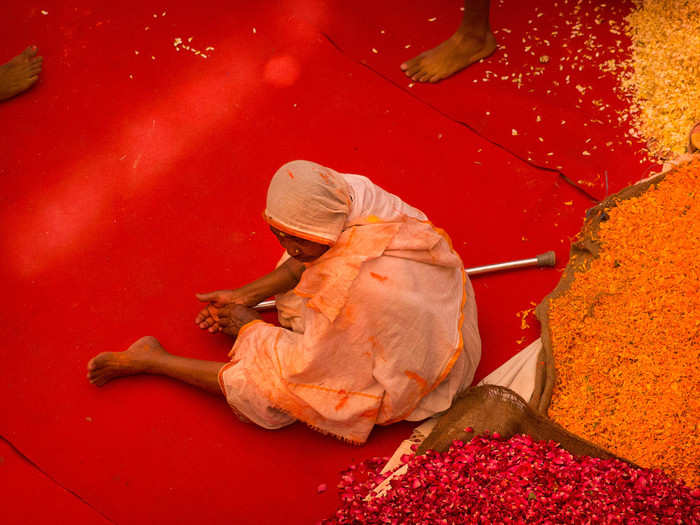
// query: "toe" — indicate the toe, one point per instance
point(99, 377)
point(413, 65)
point(413, 71)
point(30, 51)
point(95, 363)
point(422, 76)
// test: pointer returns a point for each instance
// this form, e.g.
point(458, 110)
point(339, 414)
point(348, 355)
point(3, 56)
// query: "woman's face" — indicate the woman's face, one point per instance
point(301, 249)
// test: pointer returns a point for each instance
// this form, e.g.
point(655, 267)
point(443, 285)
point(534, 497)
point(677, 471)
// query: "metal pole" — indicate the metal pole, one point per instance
point(544, 259)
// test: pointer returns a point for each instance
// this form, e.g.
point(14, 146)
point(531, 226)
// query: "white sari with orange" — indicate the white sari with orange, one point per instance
point(381, 328)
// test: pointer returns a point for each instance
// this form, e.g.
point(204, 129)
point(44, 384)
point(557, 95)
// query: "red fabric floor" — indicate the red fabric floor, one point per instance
point(131, 181)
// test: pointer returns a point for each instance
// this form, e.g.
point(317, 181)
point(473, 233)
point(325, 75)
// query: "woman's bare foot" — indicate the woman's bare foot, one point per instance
point(694, 139)
point(139, 358)
point(20, 73)
point(461, 50)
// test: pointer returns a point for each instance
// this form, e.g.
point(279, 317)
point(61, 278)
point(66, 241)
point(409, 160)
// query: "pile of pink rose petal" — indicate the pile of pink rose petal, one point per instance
point(493, 480)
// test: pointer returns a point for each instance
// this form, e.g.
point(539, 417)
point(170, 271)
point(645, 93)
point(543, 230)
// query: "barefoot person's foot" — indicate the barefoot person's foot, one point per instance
point(20, 73)
point(137, 359)
point(461, 50)
point(694, 139)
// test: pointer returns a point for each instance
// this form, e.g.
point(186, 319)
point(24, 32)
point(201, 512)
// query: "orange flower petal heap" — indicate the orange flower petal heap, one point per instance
point(626, 335)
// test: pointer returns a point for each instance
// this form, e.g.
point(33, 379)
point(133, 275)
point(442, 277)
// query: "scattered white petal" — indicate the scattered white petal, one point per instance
point(514, 132)
point(375, 51)
point(432, 19)
point(44, 12)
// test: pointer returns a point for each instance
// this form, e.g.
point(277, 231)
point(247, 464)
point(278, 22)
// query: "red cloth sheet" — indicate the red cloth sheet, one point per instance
point(131, 181)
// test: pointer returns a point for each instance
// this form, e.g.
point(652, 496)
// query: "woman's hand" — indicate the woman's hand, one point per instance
point(207, 318)
point(231, 318)
point(280, 280)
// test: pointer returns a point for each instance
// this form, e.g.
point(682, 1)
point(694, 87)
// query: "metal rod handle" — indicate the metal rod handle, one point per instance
point(544, 259)
point(265, 305)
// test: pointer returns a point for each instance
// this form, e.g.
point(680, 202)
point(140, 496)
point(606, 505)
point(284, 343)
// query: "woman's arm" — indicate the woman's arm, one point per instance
point(280, 280)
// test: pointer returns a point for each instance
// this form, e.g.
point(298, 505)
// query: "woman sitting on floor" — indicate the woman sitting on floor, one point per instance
point(378, 317)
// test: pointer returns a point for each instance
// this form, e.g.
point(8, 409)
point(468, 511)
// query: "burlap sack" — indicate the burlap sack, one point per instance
point(490, 408)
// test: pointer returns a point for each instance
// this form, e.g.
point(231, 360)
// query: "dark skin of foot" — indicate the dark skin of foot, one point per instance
point(454, 54)
point(135, 360)
point(147, 356)
point(694, 139)
point(20, 73)
point(472, 42)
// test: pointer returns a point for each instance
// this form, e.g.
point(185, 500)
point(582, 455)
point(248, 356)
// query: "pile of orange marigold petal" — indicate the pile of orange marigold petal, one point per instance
point(626, 335)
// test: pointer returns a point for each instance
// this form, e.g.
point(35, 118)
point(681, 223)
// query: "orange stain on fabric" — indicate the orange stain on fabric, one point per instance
point(291, 175)
point(378, 277)
point(371, 414)
point(422, 383)
point(378, 348)
point(350, 312)
point(343, 400)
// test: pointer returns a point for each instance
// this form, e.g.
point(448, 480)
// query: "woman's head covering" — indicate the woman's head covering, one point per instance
point(309, 201)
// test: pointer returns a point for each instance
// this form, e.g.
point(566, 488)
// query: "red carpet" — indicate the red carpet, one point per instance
point(131, 181)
